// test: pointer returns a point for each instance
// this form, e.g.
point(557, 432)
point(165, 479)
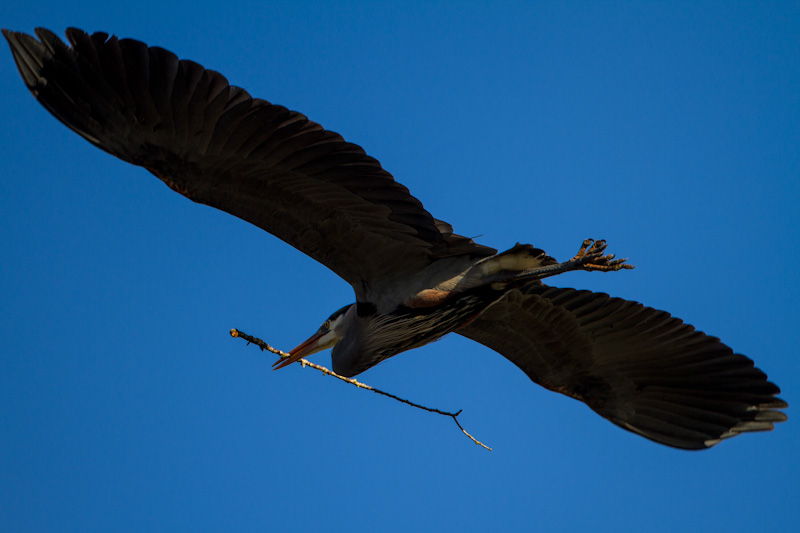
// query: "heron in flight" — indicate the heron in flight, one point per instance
point(415, 280)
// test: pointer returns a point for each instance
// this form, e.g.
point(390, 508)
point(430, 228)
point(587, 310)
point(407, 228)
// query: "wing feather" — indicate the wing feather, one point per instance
point(641, 368)
point(215, 144)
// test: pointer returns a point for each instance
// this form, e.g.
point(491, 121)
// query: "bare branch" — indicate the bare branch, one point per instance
point(304, 362)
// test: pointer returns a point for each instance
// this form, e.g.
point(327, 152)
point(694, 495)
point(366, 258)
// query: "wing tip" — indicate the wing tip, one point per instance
point(28, 55)
point(690, 433)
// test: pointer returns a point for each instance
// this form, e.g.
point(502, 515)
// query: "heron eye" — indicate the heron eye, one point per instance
point(327, 324)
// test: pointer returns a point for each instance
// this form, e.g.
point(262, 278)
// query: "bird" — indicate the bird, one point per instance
point(415, 280)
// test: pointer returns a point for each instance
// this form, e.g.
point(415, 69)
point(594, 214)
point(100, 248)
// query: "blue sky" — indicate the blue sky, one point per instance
point(672, 130)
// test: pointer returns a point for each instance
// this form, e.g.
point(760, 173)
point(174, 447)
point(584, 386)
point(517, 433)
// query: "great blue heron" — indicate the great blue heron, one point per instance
point(414, 279)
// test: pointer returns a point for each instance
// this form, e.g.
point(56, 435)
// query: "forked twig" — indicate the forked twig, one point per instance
point(304, 362)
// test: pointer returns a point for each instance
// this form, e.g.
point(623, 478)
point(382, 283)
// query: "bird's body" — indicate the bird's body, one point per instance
point(373, 337)
point(414, 279)
point(377, 328)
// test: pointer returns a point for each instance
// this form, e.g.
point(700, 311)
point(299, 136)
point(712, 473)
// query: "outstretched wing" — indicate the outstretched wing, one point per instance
point(215, 144)
point(641, 368)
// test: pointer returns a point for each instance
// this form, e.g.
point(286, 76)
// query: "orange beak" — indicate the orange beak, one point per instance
point(306, 348)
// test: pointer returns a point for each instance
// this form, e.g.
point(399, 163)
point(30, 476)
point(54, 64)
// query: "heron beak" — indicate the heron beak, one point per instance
point(305, 348)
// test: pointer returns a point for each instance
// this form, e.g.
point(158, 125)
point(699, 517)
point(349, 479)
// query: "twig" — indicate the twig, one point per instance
point(304, 362)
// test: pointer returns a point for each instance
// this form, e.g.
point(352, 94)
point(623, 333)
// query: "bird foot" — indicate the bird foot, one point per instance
point(590, 258)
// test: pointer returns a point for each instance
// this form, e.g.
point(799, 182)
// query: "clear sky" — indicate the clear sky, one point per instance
point(672, 130)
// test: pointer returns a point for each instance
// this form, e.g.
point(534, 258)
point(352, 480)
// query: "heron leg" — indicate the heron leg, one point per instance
point(590, 257)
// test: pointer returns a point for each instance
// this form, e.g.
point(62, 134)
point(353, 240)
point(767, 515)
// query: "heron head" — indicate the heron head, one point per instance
point(328, 334)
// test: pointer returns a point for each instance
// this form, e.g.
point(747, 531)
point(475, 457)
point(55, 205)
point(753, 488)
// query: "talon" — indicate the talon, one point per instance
point(587, 243)
point(600, 245)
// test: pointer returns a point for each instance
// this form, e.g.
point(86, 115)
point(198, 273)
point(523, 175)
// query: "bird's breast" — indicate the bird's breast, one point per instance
point(411, 327)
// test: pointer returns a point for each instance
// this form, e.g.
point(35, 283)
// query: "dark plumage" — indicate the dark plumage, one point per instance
point(414, 279)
